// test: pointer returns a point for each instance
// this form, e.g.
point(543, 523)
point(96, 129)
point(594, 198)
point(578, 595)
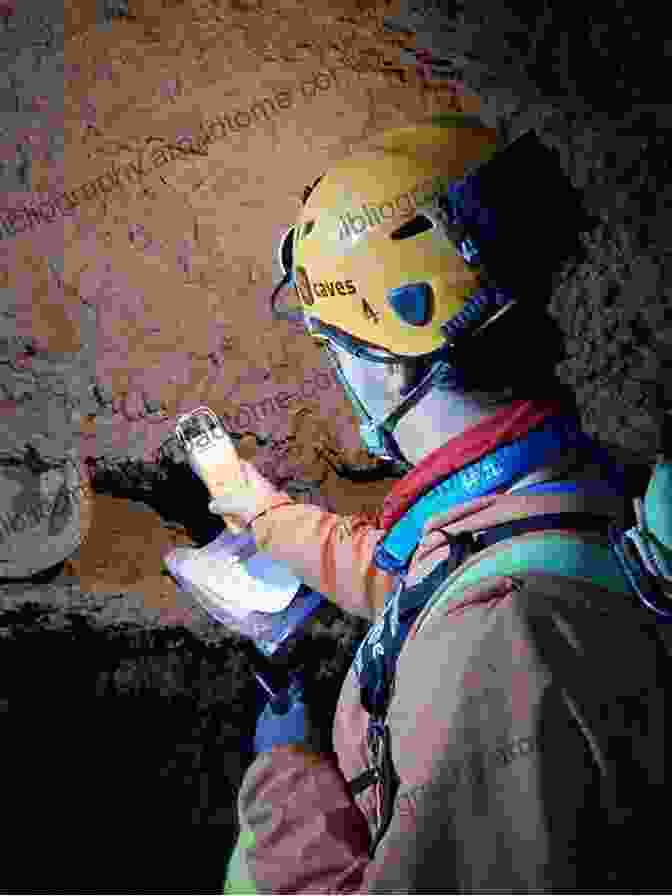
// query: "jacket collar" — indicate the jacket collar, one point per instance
point(506, 425)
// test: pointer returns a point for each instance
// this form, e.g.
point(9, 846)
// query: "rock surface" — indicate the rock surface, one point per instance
point(128, 714)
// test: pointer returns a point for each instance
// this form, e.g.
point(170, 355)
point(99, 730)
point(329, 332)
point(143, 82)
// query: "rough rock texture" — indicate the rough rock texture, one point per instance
point(573, 78)
point(127, 726)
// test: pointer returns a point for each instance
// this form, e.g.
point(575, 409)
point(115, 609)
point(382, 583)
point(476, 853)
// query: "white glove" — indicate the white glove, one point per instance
point(240, 505)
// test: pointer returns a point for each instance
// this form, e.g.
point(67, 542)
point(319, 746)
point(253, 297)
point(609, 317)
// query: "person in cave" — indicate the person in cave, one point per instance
point(502, 728)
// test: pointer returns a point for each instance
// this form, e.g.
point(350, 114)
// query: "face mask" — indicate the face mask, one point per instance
point(378, 400)
point(371, 383)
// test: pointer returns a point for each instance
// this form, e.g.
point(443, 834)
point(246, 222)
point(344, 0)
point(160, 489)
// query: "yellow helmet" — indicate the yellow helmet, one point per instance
point(404, 252)
point(381, 273)
point(367, 261)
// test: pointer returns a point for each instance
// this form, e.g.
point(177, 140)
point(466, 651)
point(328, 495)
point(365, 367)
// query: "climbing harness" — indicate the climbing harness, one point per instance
point(401, 611)
point(644, 568)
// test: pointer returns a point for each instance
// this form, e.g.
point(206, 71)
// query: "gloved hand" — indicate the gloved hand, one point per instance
point(284, 721)
point(242, 504)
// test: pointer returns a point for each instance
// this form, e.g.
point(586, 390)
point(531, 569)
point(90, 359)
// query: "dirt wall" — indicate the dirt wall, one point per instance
point(128, 709)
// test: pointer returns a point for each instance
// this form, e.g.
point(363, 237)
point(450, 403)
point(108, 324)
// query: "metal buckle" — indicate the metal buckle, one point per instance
point(647, 589)
point(374, 745)
point(448, 211)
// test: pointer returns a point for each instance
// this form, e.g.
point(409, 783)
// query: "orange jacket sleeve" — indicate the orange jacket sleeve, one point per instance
point(330, 553)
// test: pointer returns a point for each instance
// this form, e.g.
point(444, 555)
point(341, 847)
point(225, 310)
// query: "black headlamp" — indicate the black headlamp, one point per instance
point(517, 215)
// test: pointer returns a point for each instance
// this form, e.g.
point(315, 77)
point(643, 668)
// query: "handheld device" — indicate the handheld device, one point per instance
point(236, 584)
point(211, 453)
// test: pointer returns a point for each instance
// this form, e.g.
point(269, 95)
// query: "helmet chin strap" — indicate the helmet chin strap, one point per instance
point(477, 316)
point(378, 434)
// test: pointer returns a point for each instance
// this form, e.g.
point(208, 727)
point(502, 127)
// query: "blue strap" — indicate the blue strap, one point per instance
point(494, 471)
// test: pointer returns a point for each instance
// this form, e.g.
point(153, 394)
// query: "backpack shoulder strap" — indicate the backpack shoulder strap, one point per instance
point(637, 560)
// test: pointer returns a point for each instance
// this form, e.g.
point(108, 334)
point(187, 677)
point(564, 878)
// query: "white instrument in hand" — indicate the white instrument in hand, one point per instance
point(229, 577)
point(211, 453)
point(237, 585)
